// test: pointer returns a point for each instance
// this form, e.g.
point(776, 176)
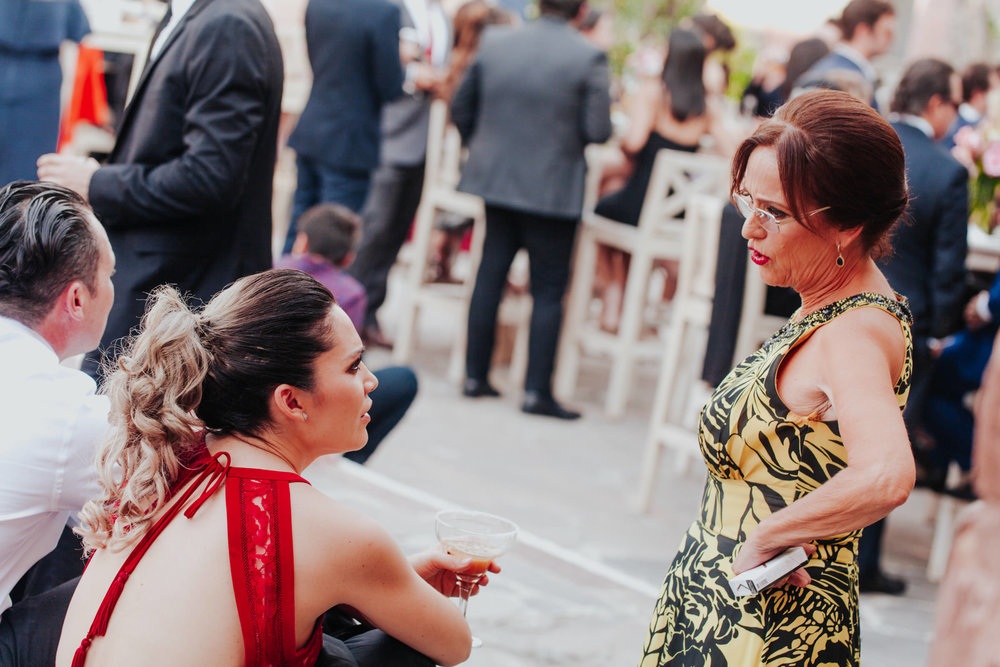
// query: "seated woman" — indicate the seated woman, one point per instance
point(668, 112)
point(804, 440)
point(214, 416)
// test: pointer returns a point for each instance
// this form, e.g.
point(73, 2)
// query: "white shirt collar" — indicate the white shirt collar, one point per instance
point(855, 57)
point(969, 114)
point(178, 9)
point(10, 325)
point(432, 28)
point(917, 122)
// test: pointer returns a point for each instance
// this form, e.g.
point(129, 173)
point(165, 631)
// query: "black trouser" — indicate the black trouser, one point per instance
point(348, 644)
point(397, 387)
point(29, 631)
point(388, 214)
point(549, 242)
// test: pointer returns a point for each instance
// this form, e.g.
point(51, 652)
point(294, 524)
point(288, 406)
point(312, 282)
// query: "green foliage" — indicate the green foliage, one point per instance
point(639, 20)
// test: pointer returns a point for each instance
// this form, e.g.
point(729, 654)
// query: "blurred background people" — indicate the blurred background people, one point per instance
point(958, 372)
point(672, 112)
point(967, 619)
point(868, 28)
point(469, 22)
point(927, 264)
point(532, 100)
point(399, 179)
point(978, 79)
point(354, 53)
point(324, 248)
point(31, 33)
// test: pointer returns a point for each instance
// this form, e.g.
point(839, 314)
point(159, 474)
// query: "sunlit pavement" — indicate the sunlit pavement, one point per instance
point(579, 587)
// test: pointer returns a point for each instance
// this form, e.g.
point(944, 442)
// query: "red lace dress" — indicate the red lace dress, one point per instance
point(259, 519)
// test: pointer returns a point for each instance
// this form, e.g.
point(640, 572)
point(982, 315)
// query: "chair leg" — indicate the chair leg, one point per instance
point(422, 228)
point(622, 359)
point(568, 358)
point(662, 414)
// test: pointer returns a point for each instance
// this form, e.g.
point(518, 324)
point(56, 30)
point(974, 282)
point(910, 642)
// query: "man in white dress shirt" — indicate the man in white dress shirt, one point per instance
point(55, 296)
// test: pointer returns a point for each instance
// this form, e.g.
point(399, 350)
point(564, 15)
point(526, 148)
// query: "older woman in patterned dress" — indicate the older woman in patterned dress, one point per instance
point(804, 440)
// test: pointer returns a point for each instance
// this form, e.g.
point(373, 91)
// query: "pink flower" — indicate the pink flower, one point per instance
point(991, 159)
point(968, 137)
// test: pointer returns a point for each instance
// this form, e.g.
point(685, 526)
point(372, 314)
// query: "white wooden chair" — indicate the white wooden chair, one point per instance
point(442, 171)
point(680, 392)
point(676, 177)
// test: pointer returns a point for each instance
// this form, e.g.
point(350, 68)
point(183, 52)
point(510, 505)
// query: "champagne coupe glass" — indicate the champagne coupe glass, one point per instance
point(479, 536)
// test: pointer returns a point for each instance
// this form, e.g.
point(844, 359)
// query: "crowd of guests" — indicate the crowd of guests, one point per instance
point(233, 376)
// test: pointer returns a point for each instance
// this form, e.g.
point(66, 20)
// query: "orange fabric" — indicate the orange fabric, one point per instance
point(89, 102)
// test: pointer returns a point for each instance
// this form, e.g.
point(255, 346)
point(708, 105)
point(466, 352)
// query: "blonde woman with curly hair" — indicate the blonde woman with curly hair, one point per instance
point(204, 523)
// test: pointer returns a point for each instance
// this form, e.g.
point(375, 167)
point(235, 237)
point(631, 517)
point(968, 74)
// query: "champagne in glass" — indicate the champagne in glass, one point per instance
point(478, 536)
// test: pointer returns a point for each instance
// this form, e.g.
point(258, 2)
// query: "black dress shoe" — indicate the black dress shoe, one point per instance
point(539, 404)
point(475, 388)
point(880, 582)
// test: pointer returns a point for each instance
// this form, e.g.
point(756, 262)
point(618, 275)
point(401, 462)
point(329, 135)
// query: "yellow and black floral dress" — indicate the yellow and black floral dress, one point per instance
point(761, 457)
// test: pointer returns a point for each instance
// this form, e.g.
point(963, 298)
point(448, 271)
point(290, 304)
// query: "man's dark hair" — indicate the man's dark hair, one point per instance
point(714, 27)
point(565, 9)
point(332, 231)
point(922, 80)
point(975, 79)
point(867, 12)
point(46, 242)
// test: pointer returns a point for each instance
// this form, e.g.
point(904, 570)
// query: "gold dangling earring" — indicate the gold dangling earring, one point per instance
point(840, 258)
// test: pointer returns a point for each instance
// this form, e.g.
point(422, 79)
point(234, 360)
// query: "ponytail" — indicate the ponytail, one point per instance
point(155, 389)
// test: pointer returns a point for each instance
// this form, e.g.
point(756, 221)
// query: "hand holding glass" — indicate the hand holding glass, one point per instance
point(478, 536)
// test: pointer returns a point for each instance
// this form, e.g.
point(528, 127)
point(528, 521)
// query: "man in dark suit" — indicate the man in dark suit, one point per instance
point(399, 179)
point(958, 372)
point(355, 57)
point(867, 29)
point(978, 79)
point(185, 195)
point(927, 264)
point(532, 100)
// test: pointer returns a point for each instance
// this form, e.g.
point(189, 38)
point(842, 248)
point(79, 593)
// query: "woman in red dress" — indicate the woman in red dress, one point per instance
point(214, 416)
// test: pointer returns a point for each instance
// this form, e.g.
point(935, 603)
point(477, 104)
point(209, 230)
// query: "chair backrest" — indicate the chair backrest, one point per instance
point(702, 223)
point(437, 130)
point(676, 177)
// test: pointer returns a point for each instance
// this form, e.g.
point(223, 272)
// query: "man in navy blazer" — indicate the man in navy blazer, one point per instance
point(354, 52)
point(867, 30)
point(185, 195)
point(927, 262)
point(958, 373)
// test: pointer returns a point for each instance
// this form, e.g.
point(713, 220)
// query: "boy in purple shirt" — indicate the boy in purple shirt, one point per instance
point(323, 248)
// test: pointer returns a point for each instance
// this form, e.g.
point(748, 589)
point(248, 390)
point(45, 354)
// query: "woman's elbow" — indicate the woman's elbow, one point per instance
point(896, 485)
point(458, 650)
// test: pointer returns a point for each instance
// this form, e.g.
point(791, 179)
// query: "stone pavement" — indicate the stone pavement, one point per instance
point(578, 588)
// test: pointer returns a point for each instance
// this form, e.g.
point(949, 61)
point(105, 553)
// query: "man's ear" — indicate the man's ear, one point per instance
point(288, 402)
point(75, 300)
point(301, 244)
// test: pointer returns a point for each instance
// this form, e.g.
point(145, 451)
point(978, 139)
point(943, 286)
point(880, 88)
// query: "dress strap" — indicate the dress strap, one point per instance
point(214, 473)
point(898, 308)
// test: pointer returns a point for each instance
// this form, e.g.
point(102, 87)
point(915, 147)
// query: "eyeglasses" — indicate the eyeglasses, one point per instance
point(771, 222)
